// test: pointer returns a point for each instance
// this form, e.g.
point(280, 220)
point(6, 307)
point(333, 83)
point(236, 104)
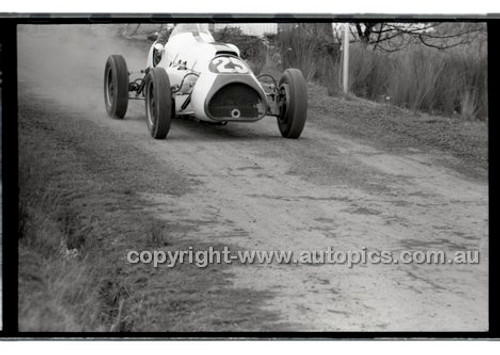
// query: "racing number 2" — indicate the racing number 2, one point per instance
point(229, 65)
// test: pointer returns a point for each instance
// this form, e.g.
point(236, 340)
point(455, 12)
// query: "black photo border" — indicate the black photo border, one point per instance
point(8, 67)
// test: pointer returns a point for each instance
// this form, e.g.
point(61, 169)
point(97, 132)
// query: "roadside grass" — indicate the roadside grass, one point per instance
point(81, 212)
point(450, 82)
point(55, 288)
point(394, 128)
point(297, 50)
point(400, 130)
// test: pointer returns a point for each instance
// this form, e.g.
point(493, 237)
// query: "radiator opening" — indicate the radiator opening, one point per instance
point(236, 101)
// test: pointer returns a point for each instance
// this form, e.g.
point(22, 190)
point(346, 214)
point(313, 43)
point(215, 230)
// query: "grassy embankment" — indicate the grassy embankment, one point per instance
point(81, 211)
point(449, 82)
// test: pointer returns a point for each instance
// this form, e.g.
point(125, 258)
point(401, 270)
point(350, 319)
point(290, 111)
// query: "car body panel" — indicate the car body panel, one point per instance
point(201, 70)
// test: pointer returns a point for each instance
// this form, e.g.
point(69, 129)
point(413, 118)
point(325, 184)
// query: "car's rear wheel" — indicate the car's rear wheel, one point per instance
point(116, 86)
point(293, 112)
point(159, 106)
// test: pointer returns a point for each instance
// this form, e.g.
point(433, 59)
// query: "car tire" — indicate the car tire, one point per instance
point(116, 86)
point(293, 113)
point(159, 105)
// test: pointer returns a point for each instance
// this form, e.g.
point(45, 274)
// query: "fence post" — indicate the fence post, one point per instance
point(345, 77)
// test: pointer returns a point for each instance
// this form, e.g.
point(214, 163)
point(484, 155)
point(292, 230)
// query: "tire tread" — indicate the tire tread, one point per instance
point(118, 65)
point(296, 105)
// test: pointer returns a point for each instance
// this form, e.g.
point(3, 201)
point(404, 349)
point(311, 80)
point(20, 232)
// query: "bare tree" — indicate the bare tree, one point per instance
point(391, 37)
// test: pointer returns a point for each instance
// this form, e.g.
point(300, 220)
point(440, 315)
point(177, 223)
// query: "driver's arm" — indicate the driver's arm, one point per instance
point(163, 37)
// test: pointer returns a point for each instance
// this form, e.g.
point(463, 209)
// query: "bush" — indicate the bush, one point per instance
point(448, 82)
point(297, 50)
point(369, 72)
point(416, 75)
point(316, 55)
point(329, 74)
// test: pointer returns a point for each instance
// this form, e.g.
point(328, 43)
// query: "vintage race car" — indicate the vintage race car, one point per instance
point(199, 77)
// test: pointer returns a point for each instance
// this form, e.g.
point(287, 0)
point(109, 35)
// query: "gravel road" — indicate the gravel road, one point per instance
point(257, 191)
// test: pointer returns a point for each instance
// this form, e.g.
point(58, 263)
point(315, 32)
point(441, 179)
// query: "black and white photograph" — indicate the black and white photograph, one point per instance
point(281, 176)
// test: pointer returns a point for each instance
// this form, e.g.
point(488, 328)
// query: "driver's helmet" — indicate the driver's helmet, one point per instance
point(200, 28)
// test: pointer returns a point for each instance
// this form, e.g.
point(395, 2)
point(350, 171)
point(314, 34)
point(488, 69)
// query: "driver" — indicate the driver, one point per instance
point(159, 45)
point(163, 36)
point(162, 39)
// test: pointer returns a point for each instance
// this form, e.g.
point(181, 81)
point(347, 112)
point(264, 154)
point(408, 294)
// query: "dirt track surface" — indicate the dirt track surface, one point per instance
point(252, 190)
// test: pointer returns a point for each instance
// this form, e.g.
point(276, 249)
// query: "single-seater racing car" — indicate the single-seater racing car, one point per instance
point(196, 76)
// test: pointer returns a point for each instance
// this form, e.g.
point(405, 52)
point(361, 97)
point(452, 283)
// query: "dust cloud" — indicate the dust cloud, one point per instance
point(66, 63)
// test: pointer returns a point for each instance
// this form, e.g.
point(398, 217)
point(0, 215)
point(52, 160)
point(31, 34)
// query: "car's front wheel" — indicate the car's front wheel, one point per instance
point(293, 112)
point(159, 105)
point(116, 86)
